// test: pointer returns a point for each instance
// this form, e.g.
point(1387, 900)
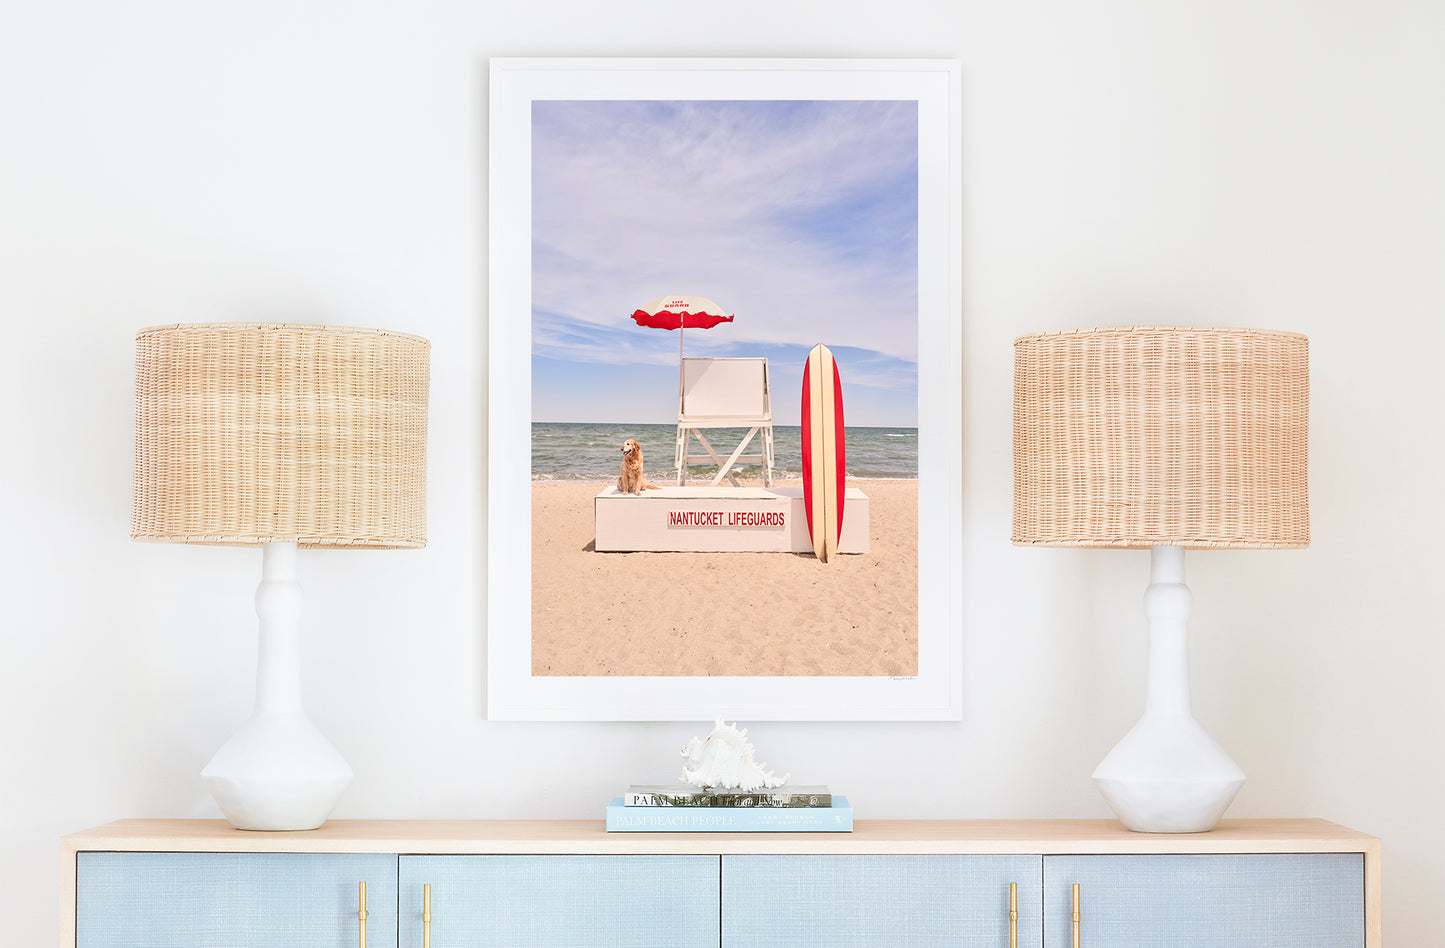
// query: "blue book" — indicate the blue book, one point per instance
point(837, 818)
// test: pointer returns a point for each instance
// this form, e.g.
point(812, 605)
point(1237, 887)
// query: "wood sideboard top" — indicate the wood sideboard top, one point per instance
point(969, 837)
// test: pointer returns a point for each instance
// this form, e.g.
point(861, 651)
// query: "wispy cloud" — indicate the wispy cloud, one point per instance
point(798, 216)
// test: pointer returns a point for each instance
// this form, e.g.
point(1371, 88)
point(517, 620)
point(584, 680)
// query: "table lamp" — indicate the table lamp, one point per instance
point(1167, 438)
point(279, 436)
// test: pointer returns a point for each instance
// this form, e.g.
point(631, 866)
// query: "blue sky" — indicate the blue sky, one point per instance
point(799, 217)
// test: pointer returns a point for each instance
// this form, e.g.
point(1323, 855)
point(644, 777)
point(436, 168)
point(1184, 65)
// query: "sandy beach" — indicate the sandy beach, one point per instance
point(749, 614)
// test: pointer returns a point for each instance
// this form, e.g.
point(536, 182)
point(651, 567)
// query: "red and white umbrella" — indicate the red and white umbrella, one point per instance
point(679, 312)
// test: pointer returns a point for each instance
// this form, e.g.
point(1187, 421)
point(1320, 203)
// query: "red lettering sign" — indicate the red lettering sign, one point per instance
point(731, 518)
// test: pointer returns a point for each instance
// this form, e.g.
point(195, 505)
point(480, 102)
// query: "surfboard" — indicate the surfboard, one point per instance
point(824, 451)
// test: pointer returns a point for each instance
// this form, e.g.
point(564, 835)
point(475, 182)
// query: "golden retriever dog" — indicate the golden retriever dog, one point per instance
point(633, 481)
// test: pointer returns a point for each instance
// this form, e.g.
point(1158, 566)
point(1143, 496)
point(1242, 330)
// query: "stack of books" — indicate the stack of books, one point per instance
point(683, 809)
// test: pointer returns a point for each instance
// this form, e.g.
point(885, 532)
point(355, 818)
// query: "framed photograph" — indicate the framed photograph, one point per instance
point(679, 526)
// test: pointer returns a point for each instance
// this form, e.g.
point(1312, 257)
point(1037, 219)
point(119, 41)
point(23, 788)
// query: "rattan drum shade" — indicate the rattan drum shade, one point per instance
point(248, 433)
point(1161, 436)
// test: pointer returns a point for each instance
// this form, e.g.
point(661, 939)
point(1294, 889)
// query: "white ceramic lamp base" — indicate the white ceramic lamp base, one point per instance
point(1167, 775)
point(278, 772)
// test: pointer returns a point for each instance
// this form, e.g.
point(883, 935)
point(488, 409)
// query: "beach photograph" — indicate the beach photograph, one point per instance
point(687, 257)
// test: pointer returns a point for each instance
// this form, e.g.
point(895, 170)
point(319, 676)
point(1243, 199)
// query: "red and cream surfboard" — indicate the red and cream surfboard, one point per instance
point(824, 451)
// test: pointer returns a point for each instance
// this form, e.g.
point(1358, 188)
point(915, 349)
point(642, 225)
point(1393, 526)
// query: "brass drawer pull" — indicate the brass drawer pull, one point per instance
point(426, 916)
point(361, 912)
point(1076, 915)
point(1013, 915)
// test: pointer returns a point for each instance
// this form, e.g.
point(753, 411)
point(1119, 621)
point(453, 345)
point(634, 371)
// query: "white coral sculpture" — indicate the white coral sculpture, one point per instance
point(724, 761)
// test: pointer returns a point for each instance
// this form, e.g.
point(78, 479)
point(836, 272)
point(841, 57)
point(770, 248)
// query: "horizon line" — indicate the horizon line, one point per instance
point(537, 421)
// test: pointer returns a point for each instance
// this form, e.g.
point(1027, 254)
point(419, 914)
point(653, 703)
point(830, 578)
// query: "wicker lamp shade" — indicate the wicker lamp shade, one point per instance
point(248, 433)
point(1148, 436)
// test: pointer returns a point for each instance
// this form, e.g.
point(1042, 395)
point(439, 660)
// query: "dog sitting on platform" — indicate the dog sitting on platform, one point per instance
point(633, 481)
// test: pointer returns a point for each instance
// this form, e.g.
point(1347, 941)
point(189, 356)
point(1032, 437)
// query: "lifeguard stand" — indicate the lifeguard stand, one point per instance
point(724, 393)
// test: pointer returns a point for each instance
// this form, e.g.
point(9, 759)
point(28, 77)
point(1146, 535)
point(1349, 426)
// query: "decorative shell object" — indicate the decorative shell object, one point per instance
point(724, 761)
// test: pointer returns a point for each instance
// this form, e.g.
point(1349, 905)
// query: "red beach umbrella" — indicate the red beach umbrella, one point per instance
point(679, 312)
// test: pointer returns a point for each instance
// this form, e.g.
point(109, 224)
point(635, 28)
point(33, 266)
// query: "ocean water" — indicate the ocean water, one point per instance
point(580, 452)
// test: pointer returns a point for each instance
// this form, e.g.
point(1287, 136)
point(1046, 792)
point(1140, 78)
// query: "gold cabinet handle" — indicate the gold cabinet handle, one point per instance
point(361, 912)
point(1076, 915)
point(426, 916)
point(1013, 915)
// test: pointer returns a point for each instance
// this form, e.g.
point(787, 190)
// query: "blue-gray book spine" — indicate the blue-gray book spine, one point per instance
point(837, 818)
point(640, 795)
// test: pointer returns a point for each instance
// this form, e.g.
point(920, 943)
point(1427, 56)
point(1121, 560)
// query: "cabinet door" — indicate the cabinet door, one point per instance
point(231, 900)
point(1309, 900)
point(876, 901)
point(562, 901)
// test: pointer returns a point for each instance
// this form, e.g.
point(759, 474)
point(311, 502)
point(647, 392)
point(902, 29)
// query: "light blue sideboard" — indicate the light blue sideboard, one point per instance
point(555, 884)
point(1264, 900)
point(155, 899)
point(851, 901)
point(562, 901)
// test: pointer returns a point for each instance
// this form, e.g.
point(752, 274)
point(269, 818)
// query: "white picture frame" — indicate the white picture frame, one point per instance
point(513, 692)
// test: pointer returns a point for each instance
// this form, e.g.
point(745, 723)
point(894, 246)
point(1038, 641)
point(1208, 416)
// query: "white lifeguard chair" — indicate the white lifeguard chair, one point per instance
point(724, 393)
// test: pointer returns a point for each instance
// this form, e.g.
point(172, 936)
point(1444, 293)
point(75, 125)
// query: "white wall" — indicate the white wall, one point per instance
point(1273, 164)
